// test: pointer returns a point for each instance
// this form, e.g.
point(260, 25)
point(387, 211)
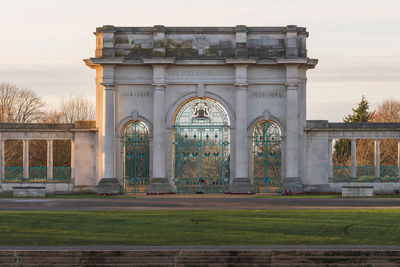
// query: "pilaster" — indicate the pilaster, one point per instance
point(159, 183)
point(291, 41)
point(108, 184)
point(241, 183)
point(241, 41)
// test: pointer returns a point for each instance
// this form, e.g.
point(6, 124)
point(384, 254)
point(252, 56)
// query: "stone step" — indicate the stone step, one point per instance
point(200, 258)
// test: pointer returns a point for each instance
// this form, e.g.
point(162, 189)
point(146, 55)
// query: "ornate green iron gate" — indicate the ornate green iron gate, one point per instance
point(267, 157)
point(135, 155)
point(201, 147)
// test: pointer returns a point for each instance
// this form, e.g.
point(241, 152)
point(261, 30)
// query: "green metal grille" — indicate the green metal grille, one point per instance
point(389, 173)
point(37, 174)
point(13, 174)
point(341, 173)
point(135, 155)
point(61, 174)
point(365, 173)
point(201, 147)
point(267, 158)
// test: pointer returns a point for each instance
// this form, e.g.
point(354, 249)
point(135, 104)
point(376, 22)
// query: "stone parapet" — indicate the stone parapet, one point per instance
point(201, 42)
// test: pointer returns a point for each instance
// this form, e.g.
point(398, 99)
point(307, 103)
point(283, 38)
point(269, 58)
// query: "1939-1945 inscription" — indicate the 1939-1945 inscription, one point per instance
point(266, 94)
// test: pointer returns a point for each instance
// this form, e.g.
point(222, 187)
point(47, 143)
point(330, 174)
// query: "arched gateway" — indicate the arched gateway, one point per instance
point(201, 149)
point(267, 157)
point(135, 157)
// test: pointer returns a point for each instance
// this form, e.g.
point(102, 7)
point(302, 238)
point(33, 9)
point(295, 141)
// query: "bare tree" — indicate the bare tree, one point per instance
point(76, 108)
point(19, 105)
point(388, 111)
point(51, 116)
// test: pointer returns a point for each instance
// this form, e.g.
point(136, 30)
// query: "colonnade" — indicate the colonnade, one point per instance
point(26, 162)
point(377, 160)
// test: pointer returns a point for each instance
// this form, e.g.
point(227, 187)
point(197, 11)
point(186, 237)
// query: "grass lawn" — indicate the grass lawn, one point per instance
point(317, 227)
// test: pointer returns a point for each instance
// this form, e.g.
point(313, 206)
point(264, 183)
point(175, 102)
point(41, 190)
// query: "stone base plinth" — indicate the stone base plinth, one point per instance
point(29, 191)
point(293, 184)
point(159, 186)
point(109, 186)
point(241, 186)
point(357, 191)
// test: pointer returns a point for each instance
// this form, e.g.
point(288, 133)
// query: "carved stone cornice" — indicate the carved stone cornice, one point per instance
point(158, 61)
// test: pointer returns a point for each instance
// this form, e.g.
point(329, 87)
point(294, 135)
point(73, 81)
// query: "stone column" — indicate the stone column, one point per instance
point(353, 158)
point(159, 182)
point(159, 132)
point(50, 161)
point(377, 159)
point(109, 183)
point(241, 182)
point(26, 159)
point(292, 180)
point(330, 158)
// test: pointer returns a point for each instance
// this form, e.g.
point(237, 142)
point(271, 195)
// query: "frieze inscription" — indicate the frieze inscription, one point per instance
point(266, 94)
point(200, 73)
point(135, 94)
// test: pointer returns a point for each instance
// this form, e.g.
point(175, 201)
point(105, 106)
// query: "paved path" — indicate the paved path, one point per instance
point(216, 248)
point(205, 202)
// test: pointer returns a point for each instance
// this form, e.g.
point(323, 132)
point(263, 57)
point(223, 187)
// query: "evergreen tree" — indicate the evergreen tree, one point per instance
point(361, 113)
point(342, 147)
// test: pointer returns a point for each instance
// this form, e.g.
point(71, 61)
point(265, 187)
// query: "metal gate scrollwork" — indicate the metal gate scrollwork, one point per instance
point(267, 157)
point(201, 147)
point(135, 155)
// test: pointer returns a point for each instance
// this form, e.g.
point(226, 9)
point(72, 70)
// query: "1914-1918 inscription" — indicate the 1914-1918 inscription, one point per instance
point(135, 94)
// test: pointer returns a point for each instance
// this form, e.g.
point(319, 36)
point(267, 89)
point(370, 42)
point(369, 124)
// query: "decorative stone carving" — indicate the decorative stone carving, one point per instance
point(201, 43)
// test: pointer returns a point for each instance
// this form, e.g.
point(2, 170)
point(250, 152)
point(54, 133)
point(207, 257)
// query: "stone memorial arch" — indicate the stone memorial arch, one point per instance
point(219, 109)
point(199, 110)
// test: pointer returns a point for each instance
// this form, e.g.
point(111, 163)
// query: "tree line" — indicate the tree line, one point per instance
point(18, 105)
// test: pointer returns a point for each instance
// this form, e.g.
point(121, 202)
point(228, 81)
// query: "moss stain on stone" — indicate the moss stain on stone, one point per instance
point(121, 40)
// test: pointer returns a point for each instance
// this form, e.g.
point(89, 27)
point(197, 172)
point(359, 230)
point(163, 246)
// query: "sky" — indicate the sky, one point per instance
point(43, 42)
